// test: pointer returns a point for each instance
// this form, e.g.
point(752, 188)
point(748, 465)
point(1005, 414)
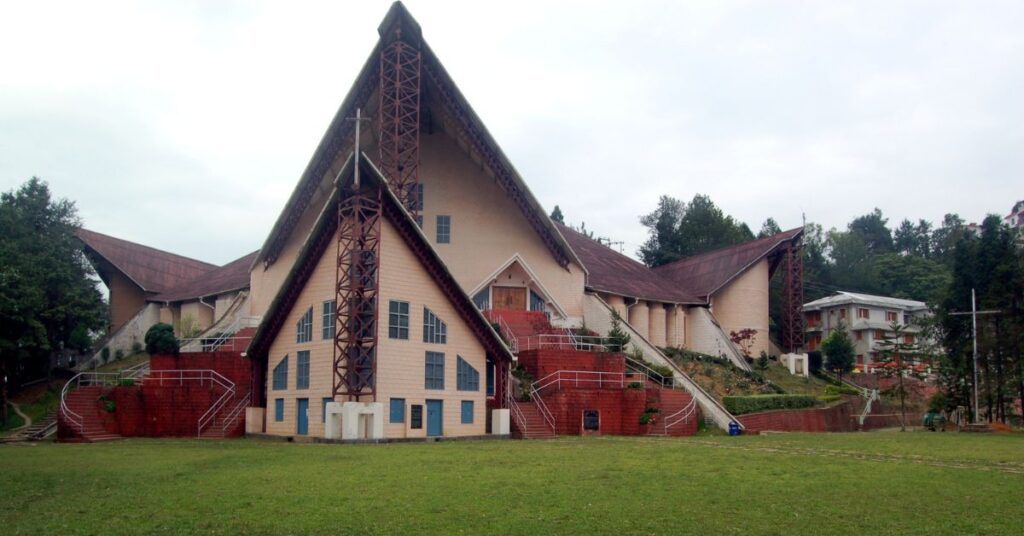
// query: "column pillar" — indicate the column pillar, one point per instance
point(618, 304)
point(639, 318)
point(671, 325)
point(656, 324)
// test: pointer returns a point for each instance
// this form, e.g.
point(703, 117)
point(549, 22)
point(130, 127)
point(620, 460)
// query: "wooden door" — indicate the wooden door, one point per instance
point(509, 298)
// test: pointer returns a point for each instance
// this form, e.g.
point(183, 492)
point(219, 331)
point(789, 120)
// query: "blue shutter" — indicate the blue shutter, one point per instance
point(279, 409)
point(467, 412)
point(397, 410)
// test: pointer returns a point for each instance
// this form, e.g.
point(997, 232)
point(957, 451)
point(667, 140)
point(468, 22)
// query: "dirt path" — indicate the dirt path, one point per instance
point(28, 420)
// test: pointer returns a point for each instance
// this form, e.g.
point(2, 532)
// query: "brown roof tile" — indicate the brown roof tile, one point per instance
point(704, 274)
point(152, 269)
point(232, 276)
point(613, 272)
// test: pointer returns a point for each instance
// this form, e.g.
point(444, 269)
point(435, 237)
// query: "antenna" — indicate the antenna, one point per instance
point(359, 124)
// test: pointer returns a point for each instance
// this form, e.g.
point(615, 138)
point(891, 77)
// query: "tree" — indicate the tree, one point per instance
point(839, 352)
point(871, 228)
point(617, 337)
point(160, 339)
point(557, 215)
point(678, 230)
point(744, 339)
point(769, 228)
point(894, 350)
point(47, 286)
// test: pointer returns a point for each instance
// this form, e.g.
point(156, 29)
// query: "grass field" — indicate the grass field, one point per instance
point(925, 483)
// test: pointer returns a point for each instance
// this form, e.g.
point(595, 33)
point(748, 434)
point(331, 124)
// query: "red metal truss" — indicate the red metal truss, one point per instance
point(399, 115)
point(356, 294)
point(793, 299)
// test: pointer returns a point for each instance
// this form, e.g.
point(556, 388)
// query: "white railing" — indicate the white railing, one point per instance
point(587, 379)
point(870, 395)
point(232, 416)
point(85, 379)
point(561, 341)
point(682, 416)
point(543, 407)
point(653, 375)
point(506, 332)
point(214, 344)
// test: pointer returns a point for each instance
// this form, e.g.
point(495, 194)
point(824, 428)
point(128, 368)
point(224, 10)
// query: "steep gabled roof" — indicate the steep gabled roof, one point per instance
point(471, 130)
point(321, 237)
point(612, 272)
point(151, 269)
point(230, 277)
point(705, 274)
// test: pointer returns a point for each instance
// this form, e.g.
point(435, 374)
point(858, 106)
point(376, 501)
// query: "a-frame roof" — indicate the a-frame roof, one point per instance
point(228, 278)
point(612, 272)
point(705, 274)
point(151, 269)
point(470, 129)
point(321, 237)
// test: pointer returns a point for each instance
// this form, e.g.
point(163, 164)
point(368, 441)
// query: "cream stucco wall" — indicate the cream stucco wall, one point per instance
point(743, 303)
point(617, 303)
point(126, 299)
point(656, 324)
point(400, 363)
point(487, 228)
point(201, 313)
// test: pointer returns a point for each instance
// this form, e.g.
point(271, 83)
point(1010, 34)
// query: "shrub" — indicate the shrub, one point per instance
point(635, 385)
point(841, 389)
point(814, 361)
point(126, 382)
point(160, 339)
point(136, 347)
point(827, 398)
point(119, 354)
point(739, 405)
point(938, 402)
point(108, 405)
point(105, 354)
point(762, 361)
point(648, 415)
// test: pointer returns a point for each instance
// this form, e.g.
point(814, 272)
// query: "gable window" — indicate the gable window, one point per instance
point(397, 410)
point(434, 329)
point(302, 370)
point(467, 377)
point(444, 229)
point(281, 375)
point(482, 300)
point(467, 412)
point(328, 318)
point(278, 409)
point(304, 327)
point(398, 319)
point(908, 339)
point(490, 377)
point(862, 313)
point(536, 302)
point(879, 334)
point(434, 371)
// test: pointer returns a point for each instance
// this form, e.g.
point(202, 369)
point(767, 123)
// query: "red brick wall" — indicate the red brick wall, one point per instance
point(838, 418)
point(229, 364)
point(541, 363)
point(619, 409)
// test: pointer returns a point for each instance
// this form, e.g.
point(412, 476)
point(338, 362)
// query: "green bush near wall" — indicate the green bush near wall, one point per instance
point(740, 405)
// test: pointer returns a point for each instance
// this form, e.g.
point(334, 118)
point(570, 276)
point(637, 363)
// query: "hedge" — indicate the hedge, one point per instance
point(739, 405)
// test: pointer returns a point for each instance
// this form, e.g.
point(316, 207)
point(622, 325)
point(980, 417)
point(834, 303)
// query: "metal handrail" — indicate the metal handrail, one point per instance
point(513, 342)
point(89, 379)
point(211, 344)
point(543, 407)
point(207, 418)
point(681, 416)
point(242, 404)
point(653, 375)
point(601, 380)
point(561, 341)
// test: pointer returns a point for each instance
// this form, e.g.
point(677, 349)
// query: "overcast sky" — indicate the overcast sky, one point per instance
point(185, 125)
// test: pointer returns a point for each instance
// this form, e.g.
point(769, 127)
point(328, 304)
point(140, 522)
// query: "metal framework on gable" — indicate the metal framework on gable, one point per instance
point(356, 293)
point(399, 115)
point(793, 298)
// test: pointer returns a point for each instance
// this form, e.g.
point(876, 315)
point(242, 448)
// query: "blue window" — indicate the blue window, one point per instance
point(467, 377)
point(434, 329)
point(281, 375)
point(304, 327)
point(323, 408)
point(490, 378)
point(397, 410)
point(467, 412)
point(278, 409)
point(434, 371)
point(444, 229)
point(328, 318)
point(482, 300)
point(398, 319)
point(302, 370)
point(536, 302)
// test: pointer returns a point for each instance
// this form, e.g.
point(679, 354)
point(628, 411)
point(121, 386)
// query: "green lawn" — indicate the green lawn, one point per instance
point(925, 483)
point(123, 363)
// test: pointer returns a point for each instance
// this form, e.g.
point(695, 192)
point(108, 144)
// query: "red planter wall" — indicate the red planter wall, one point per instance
point(838, 418)
point(541, 363)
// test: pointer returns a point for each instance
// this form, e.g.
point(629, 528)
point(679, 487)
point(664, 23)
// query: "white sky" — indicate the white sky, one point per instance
point(185, 125)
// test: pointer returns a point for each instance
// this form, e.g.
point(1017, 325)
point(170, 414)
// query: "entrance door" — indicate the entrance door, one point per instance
point(513, 298)
point(435, 416)
point(302, 419)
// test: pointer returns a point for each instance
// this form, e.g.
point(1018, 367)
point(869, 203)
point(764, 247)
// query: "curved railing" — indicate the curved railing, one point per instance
point(682, 416)
point(85, 379)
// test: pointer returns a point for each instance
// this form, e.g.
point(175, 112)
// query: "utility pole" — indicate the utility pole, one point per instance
point(974, 340)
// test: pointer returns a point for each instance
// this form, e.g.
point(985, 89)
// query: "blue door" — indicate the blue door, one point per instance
point(302, 427)
point(435, 417)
